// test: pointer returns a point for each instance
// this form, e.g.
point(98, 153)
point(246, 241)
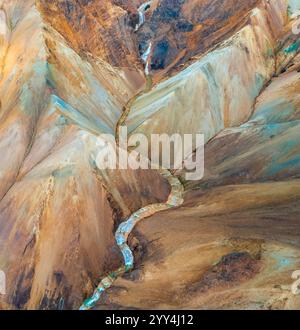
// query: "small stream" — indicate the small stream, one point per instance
point(146, 56)
point(175, 199)
point(142, 9)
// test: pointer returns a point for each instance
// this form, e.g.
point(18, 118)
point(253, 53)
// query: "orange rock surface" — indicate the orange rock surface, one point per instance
point(71, 70)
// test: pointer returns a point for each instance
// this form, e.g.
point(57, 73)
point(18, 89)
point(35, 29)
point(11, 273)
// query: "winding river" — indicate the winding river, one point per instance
point(175, 199)
point(121, 236)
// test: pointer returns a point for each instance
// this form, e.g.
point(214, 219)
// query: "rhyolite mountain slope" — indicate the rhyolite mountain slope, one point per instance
point(58, 212)
point(228, 69)
point(237, 234)
point(180, 29)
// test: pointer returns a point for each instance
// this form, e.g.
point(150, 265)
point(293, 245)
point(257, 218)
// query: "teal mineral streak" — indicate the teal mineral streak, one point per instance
point(259, 84)
point(293, 47)
point(283, 261)
point(91, 124)
point(175, 199)
point(276, 111)
point(290, 164)
point(293, 6)
point(33, 87)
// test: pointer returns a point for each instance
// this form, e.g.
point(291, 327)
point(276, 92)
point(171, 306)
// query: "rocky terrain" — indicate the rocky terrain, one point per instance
point(71, 70)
